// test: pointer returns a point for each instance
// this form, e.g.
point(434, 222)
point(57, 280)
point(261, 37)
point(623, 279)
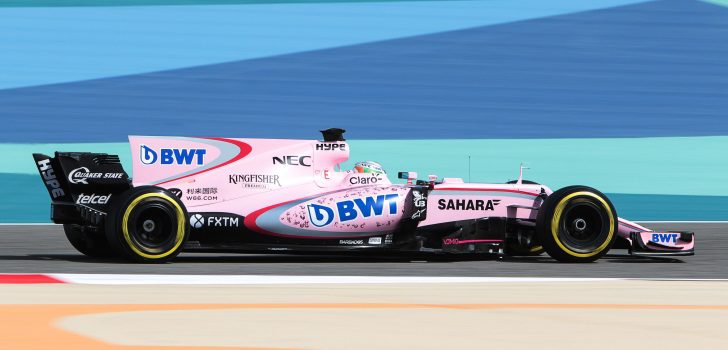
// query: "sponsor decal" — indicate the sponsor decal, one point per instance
point(293, 160)
point(325, 173)
point(92, 199)
point(420, 200)
point(351, 241)
point(202, 194)
point(375, 240)
point(214, 220)
point(255, 180)
point(49, 177)
point(197, 221)
point(331, 147)
point(321, 215)
point(176, 192)
point(82, 174)
point(467, 204)
point(664, 237)
point(450, 241)
point(369, 179)
point(147, 155)
point(388, 238)
point(418, 214)
point(172, 156)
point(222, 221)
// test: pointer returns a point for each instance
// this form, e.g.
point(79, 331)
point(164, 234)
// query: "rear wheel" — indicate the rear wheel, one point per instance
point(92, 244)
point(147, 224)
point(576, 224)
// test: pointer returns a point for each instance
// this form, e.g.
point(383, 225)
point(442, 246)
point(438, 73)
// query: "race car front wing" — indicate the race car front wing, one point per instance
point(649, 243)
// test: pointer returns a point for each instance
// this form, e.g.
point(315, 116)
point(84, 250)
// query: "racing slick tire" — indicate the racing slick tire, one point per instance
point(88, 244)
point(147, 224)
point(576, 224)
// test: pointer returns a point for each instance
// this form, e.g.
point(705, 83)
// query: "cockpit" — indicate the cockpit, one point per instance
point(331, 153)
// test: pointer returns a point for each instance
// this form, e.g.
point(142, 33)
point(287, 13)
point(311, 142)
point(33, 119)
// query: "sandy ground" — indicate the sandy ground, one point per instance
point(568, 315)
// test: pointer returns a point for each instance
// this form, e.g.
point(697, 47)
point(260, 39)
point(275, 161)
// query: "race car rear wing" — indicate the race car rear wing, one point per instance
point(81, 184)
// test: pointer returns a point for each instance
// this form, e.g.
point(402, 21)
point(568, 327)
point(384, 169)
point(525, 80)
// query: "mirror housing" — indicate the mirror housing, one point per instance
point(407, 175)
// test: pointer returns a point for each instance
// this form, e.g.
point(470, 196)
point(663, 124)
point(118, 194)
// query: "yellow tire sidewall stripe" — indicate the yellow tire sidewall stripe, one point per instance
point(557, 217)
point(180, 226)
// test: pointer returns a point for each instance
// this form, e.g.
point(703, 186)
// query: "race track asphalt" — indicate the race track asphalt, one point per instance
point(44, 249)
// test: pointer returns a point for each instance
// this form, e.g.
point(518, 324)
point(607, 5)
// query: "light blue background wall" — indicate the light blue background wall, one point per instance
point(627, 96)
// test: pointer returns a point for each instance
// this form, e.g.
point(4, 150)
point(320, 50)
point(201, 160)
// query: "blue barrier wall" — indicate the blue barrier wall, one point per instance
point(628, 96)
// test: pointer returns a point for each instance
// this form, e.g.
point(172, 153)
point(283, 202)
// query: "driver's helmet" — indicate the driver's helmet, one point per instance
point(369, 167)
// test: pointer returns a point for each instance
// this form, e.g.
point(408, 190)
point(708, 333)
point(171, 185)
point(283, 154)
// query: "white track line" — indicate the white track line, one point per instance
point(130, 279)
point(267, 279)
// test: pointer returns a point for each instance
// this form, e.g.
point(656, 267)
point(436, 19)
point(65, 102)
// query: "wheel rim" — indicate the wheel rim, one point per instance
point(152, 227)
point(584, 226)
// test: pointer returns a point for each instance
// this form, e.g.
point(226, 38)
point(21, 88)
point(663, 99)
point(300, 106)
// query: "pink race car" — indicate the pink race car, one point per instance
point(268, 195)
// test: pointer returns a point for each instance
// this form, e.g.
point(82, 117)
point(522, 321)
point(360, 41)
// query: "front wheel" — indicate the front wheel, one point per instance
point(147, 224)
point(576, 224)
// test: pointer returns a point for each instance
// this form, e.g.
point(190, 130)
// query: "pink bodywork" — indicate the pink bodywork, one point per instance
point(282, 186)
point(241, 176)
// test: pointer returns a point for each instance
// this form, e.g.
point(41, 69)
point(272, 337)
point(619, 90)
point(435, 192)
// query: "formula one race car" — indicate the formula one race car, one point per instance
point(268, 195)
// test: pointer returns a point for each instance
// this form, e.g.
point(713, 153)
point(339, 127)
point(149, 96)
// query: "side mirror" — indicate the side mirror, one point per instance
point(407, 175)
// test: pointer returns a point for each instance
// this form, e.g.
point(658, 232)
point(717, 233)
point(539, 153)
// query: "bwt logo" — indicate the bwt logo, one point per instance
point(179, 156)
point(321, 215)
point(664, 237)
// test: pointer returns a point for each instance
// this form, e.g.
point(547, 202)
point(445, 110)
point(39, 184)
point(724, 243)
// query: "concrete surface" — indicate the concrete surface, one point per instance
point(44, 249)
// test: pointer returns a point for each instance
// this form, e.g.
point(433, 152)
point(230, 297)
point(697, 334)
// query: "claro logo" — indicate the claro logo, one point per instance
point(172, 156)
